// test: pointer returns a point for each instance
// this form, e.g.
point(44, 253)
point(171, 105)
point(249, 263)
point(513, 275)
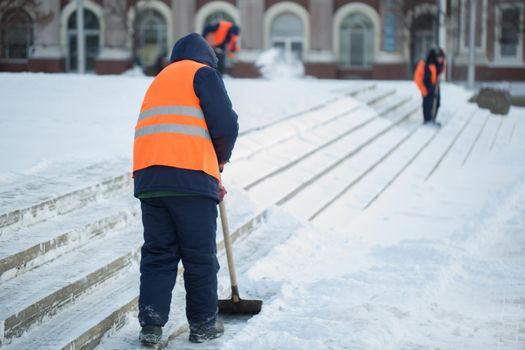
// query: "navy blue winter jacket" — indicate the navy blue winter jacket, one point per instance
point(220, 119)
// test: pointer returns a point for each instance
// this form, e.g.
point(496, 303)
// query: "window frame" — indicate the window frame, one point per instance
point(498, 58)
point(31, 42)
point(367, 31)
point(72, 32)
point(161, 33)
point(288, 41)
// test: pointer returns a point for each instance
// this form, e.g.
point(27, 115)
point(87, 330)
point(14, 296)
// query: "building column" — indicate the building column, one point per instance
point(390, 63)
point(115, 55)
point(183, 17)
point(48, 55)
point(321, 12)
point(320, 59)
point(252, 43)
point(252, 23)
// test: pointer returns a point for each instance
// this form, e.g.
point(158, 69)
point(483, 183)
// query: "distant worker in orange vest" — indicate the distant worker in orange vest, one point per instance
point(184, 136)
point(223, 36)
point(426, 77)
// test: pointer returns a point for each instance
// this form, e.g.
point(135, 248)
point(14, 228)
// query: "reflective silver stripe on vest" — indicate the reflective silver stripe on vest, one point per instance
point(176, 128)
point(167, 110)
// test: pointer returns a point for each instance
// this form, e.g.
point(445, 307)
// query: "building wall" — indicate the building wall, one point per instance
point(50, 52)
point(269, 3)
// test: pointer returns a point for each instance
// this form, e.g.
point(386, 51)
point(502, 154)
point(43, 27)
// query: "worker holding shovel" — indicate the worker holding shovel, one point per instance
point(426, 77)
point(185, 134)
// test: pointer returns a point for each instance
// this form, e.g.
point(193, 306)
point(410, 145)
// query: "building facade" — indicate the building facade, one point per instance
point(368, 39)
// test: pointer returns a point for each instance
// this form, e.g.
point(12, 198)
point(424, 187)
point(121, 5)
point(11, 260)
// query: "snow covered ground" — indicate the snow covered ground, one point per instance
point(436, 262)
point(86, 119)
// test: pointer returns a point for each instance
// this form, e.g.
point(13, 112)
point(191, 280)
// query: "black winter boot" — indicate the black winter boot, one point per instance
point(200, 334)
point(150, 335)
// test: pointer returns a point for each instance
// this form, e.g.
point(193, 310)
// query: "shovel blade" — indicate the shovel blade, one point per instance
point(241, 307)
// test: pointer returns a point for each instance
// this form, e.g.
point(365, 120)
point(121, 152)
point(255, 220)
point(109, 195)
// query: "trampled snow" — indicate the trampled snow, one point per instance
point(84, 119)
point(436, 262)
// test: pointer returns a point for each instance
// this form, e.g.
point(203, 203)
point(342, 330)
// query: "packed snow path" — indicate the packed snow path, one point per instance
point(328, 207)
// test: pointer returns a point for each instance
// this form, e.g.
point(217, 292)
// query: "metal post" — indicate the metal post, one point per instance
point(472, 46)
point(442, 25)
point(442, 35)
point(81, 39)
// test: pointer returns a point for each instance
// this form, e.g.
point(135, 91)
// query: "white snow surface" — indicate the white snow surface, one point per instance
point(82, 119)
point(276, 64)
point(433, 264)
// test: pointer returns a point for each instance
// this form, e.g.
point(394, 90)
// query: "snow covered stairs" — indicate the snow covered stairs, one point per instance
point(280, 172)
point(68, 263)
point(464, 138)
point(40, 197)
point(69, 277)
point(56, 250)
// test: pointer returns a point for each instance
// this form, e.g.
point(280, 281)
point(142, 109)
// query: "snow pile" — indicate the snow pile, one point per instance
point(134, 71)
point(274, 63)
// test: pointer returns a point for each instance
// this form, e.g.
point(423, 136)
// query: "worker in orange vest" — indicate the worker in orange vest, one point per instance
point(184, 136)
point(223, 37)
point(426, 77)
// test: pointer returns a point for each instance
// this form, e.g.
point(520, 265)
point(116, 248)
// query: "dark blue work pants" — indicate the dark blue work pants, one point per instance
point(178, 228)
point(428, 106)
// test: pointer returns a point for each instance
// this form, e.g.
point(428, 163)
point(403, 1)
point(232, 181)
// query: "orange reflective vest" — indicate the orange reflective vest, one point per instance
point(217, 38)
point(419, 76)
point(232, 46)
point(171, 129)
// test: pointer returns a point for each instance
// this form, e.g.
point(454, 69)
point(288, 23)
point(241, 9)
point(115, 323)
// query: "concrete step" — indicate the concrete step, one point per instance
point(284, 185)
point(249, 144)
point(356, 89)
point(510, 131)
point(516, 135)
point(469, 140)
point(81, 325)
point(432, 152)
point(364, 194)
point(457, 131)
point(391, 104)
point(345, 92)
point(487, 138)
point(373, 97)
point(42, 292)
point(272, 160)
point(21, 190)
point(31, 247)
point(386, 173)
point(412, 108)
point(347, 174)
point(62, 204)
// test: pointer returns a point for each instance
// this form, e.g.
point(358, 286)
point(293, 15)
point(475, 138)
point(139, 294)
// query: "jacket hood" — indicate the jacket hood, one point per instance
point(194, 47)
point(433, 55)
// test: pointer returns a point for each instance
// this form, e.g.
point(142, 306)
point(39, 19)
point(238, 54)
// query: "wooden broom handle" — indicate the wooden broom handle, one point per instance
point(229, 251)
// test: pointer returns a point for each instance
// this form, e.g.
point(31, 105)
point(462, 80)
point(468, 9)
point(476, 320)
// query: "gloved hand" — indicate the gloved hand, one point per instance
point(221, 165)
point(222, 192)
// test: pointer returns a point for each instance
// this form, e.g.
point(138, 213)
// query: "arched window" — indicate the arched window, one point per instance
point(92, 39)
point(423, 36)
point(217, 17)
point(356, 41)
point(287, 33)
point(151, 37)
point(509, 38)
point(17, 34)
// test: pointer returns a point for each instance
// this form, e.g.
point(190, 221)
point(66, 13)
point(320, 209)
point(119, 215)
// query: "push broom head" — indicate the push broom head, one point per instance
point(238, 306)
